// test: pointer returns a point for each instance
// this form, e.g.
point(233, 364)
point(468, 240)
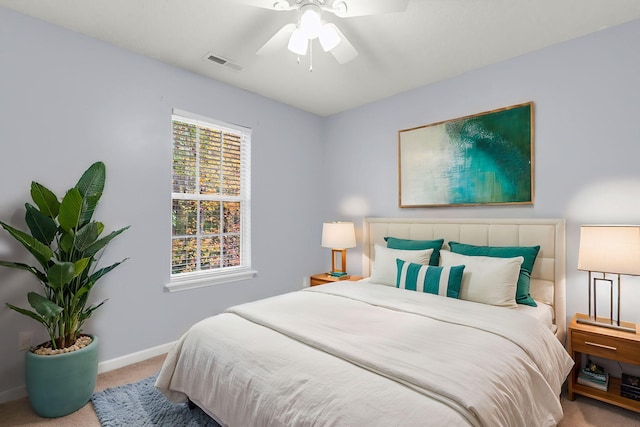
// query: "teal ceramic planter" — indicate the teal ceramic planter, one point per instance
point(60, 384)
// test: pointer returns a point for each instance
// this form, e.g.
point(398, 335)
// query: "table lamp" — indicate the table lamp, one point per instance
point(608, 249)
point(338, 236)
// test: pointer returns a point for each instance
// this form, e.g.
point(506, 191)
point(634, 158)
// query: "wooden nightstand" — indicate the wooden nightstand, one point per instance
point(607, 343)
point(324, 278)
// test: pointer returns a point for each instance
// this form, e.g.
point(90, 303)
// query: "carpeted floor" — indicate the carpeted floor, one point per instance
point(583, 412)
point(586, 412)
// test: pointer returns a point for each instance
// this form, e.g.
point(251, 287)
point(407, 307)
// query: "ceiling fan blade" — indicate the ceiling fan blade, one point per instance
point(278, 41)
point(368, 7)
point(344, 51)
point(270, 4)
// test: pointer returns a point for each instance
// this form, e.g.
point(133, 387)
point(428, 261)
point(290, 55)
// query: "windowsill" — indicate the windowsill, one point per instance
point(205, 280)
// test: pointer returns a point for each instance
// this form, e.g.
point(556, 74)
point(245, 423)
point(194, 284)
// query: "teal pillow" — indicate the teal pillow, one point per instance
point(444, 281)
point(414, 245)
point(529, 253)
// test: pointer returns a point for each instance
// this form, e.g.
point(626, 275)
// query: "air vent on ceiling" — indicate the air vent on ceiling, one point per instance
point(222, 61)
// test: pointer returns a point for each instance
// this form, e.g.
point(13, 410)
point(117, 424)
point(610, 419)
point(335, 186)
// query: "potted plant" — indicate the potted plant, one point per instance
point(66, 242)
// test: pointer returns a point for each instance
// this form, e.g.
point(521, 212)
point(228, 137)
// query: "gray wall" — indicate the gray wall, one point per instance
point(66, 101)
point(586, 95)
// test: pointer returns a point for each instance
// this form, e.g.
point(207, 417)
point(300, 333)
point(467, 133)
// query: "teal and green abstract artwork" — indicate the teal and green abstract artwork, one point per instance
point(483, 159)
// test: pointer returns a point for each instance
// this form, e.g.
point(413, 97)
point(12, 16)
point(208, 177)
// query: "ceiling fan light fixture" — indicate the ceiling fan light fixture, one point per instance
point(281, 5)
point(310, 21)
point(329, 37)
point(340, 8)
point(298, 42)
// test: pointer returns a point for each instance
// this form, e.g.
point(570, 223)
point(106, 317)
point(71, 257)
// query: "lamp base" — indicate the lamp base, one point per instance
point(607, 323)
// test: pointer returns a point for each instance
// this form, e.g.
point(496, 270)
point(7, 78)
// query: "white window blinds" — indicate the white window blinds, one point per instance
point(210, 233)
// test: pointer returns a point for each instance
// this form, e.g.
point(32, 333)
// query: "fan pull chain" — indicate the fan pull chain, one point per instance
point(310, 56)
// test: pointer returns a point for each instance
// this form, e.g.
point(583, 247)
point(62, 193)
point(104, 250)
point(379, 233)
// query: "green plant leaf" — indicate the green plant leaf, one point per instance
point(99, 273)
point(80, 298)
point(44, 307)
point(80, 265)
point(91, 185)
point(42, 227)
point(61, 273)
point(66, 241)
point(29, 313)
point(80, 292)
point(99, 244)
point(89, 204)
point(70, 210)
point(86, 236)
point(87, 312)
point(20, 266)
point(44, 198)
point(39, 250)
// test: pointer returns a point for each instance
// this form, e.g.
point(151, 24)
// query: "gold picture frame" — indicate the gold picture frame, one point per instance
point(480, 159)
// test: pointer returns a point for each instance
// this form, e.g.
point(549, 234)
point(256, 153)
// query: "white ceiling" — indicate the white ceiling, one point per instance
point(432, 40)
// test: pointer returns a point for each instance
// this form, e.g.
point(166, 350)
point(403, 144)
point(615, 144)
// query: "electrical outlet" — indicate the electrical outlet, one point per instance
point(24, 340)
point(305, 282)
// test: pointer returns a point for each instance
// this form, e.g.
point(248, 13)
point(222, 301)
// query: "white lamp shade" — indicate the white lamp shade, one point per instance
point(338, 235)
point(610, 249)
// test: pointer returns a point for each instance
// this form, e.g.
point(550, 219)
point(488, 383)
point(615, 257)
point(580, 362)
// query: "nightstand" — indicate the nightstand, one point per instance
point(607, 343)
point(324, 278)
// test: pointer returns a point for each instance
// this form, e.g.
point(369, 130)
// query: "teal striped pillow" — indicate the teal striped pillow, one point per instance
point(444, 281)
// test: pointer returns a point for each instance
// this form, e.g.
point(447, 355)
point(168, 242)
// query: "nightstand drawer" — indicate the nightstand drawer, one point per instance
point(324, 278)
point(606, 346)
point(315, 281)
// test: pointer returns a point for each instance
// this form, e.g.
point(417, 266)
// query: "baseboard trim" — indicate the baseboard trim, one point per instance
point(105, 366)
point(138, 356)
point(13, 394)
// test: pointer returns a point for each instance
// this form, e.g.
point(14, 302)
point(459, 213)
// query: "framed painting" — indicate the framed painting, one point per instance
point(482, 159)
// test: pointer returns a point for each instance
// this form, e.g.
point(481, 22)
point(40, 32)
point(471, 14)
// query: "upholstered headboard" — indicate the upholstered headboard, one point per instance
point(548, 276)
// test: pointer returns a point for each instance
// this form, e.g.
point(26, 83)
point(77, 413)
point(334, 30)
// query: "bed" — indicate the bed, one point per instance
point(367, 353)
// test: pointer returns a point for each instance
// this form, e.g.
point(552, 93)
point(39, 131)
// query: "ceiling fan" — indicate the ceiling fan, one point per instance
point(298, 36)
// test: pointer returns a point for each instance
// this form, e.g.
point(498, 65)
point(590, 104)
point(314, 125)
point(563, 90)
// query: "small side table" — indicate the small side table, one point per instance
point(324, 278)
point(606, 343)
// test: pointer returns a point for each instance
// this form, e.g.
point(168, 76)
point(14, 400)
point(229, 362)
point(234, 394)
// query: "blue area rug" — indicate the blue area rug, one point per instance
point(141, 404)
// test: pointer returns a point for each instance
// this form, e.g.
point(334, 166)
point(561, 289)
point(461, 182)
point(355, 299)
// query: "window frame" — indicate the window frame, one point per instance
point(203, 278)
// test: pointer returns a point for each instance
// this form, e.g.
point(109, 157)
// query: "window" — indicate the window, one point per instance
point(210, 198)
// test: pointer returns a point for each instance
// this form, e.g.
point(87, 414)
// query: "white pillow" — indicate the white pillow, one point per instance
point(385, 268)
point(488, 280)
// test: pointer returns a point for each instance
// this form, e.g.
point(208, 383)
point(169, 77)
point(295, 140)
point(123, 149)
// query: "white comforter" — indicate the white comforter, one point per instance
point(358, 354)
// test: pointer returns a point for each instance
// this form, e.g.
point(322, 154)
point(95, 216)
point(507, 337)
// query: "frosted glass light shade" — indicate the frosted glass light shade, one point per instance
point(310, 23)
point(329, 37)
point(338, 235)
point(610, 249)
point(298, 42)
